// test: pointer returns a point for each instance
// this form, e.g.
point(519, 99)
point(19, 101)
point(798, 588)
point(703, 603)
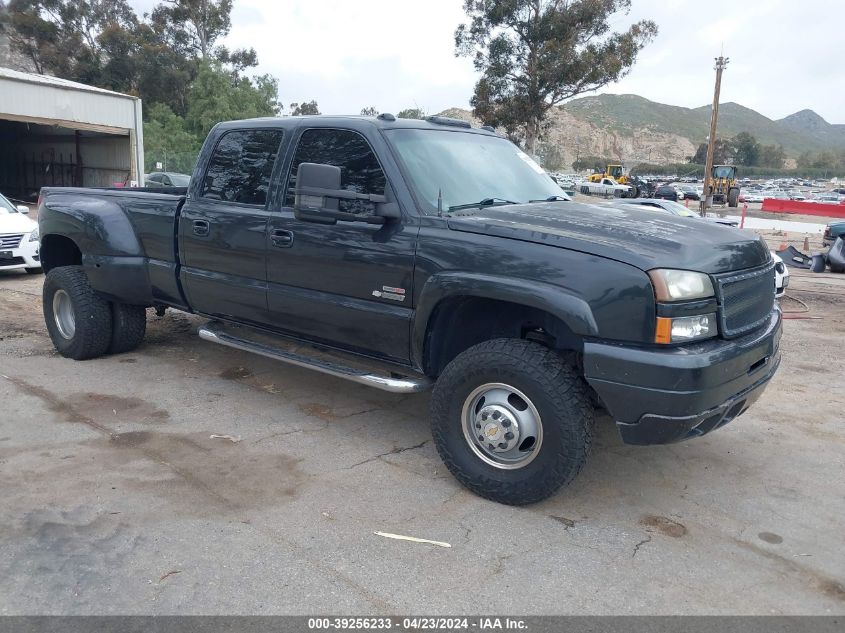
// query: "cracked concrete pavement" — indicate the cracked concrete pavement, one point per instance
point(116, 500)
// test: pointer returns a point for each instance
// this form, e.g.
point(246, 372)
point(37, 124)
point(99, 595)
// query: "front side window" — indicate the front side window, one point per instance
point(240, 167)
point(359, 168)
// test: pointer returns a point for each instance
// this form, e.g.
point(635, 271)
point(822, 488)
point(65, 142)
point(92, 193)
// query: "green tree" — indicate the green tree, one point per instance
point(772, 156)
point(551, 157)
point(369, 111)
point(535, 54)
point(219, 95)
point(825, 160)
point(105, 44)
point(163, 74)
point(166, 140)
point(82, 40)
point(724, 153)
point(411, 113)
point(596, 163)
point(805, 159)
point(304, 108)
point(194, 25)
point(746, 148)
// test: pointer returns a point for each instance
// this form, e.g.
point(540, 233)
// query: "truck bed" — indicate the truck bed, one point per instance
point(132, 231)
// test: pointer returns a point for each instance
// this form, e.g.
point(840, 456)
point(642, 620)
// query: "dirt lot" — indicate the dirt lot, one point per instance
point(116, 499)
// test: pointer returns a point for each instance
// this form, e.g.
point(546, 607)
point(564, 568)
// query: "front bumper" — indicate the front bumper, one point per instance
point(26, 255)
point(659, 396)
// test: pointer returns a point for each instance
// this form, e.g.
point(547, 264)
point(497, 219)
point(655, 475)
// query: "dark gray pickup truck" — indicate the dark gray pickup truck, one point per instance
point(408, 254)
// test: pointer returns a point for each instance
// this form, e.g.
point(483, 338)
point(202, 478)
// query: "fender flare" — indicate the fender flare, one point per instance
point(112, 255)
point(572, 310)
point(100, 228)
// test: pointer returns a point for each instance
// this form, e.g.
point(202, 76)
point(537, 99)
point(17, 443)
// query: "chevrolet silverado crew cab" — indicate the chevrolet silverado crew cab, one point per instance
point(409, 254)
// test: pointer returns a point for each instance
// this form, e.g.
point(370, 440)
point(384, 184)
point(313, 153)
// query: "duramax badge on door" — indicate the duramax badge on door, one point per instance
point(388, 292)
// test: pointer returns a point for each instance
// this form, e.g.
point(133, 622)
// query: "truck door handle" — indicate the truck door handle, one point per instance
point(282, 238)
point(201, 227)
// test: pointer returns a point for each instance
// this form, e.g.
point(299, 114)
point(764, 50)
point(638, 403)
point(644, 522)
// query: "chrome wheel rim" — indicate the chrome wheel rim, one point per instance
point(502, 426)
point(63, 314)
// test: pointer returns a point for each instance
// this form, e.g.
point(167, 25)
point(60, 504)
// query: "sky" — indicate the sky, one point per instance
point(395, 54)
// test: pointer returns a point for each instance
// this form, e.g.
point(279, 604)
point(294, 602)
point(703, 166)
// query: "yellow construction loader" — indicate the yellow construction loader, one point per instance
point(617, 172)
point(725, 188)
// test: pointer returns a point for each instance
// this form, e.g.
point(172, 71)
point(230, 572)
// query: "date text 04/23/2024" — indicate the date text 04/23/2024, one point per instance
point(418, 623)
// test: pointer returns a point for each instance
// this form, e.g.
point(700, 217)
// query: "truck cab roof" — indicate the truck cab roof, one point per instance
point(383, 121)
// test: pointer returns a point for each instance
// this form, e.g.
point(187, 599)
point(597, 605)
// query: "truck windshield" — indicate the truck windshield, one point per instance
point(469, 168)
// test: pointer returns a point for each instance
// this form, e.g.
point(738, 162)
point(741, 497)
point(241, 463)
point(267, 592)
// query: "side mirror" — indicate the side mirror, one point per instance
point(317, 194)
point(22, 209)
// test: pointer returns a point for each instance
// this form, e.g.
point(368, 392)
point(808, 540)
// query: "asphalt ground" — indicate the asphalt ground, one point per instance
point(116, 500)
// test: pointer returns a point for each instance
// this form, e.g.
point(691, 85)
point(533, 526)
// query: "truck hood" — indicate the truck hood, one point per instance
point(16, 223)
point(639, 237)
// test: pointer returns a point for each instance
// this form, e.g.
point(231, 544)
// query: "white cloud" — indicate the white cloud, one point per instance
point(394, 54)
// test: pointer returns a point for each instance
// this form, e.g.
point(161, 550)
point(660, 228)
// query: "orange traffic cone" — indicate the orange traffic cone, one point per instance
point(785, 243)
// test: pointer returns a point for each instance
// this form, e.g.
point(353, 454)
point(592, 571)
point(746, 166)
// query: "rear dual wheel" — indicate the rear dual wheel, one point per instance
point(512, 420)
point(82, 324)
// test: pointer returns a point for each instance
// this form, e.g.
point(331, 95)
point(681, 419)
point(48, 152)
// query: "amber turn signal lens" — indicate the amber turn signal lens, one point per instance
point(663, 330)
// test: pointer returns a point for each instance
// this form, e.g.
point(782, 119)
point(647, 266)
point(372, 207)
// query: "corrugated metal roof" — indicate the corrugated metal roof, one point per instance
point(56, 82)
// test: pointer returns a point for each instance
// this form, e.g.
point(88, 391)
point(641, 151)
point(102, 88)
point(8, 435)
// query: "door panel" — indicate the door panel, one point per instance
point(347, 284)
point(323, 286)
point(223, 227)
point(224, 271)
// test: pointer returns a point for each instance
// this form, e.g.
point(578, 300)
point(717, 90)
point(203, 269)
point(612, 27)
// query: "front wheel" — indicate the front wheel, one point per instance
point(733, 198)
point(512, 420)
point(79, 322)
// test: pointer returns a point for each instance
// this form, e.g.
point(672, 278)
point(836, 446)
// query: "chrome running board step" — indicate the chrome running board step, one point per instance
point(318, 359)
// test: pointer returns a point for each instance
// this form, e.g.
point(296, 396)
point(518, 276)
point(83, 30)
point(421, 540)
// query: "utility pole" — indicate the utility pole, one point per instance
point(707, 198)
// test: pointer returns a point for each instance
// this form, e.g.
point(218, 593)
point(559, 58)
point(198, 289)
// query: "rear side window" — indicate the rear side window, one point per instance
point(240, 167)
point(359, 168)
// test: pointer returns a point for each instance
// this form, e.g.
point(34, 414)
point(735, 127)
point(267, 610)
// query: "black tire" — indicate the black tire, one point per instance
point(92, 329)
point(559, 395)
point(34, 271)
point(129, 324)
point(733, 198)
point(635, 192)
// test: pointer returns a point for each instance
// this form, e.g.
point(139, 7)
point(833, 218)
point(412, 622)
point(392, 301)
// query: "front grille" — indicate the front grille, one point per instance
point(745, 300)
point(14, 261)
point(10, 241)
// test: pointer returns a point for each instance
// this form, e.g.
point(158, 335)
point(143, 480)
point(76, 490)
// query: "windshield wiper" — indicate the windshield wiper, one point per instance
point(554, 199)
point(486, 202)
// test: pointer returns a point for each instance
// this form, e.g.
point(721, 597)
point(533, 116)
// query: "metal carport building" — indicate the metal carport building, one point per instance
point(55, 132)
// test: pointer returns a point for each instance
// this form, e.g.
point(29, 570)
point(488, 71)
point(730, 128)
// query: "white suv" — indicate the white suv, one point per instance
point(18, 239)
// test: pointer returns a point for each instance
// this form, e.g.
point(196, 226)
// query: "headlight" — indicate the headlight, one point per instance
point(33, 237)
point(680, 285)
point(683, 329)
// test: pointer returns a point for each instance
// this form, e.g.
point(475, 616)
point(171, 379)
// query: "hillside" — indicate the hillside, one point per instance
point(633, 129)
